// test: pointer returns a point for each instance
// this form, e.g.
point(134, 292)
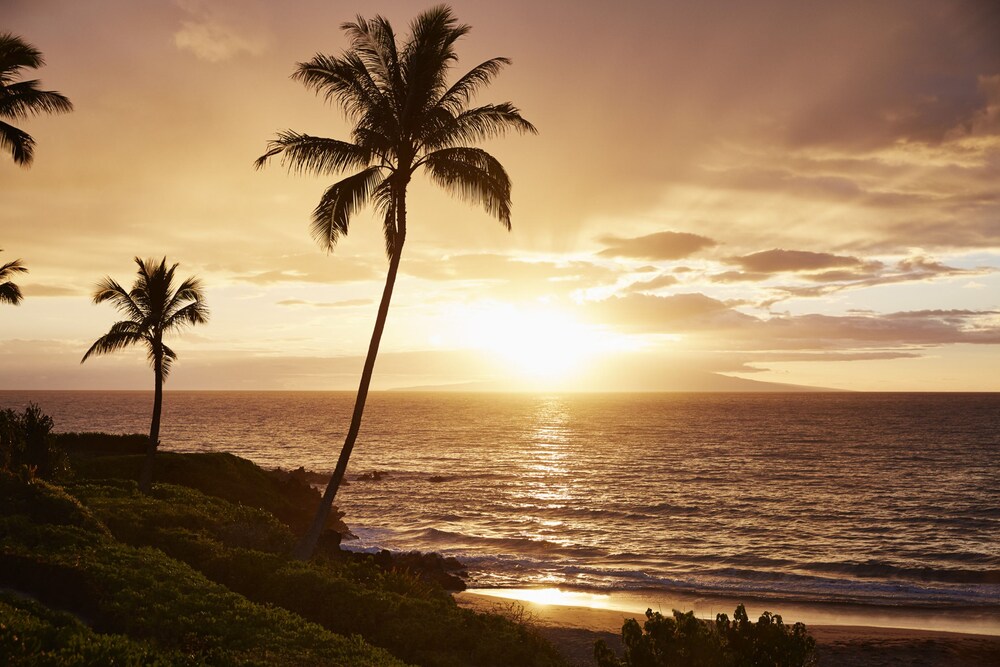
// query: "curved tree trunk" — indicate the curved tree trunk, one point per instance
point(307, 545)
point(146, 476)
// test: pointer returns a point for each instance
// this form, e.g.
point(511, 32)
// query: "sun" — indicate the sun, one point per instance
point(536, 341)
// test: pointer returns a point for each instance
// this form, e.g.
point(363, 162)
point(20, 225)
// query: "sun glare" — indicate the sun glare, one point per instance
point(535, 341)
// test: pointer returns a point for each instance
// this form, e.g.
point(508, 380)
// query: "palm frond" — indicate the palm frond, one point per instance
point(18, 142)
point(10, 293)
point(189, 290)
point(478, 124)
point(166, 361)
point(347, 81)
point(12, 267)
point(16, 54)
point(332, 216)
point(109, 290)
point(463, 90)
point(23, 99)
point(193, 313)
point(118, 338)
point(374, 43)
point(425, 62)
point(475, 175)
point(305, 153)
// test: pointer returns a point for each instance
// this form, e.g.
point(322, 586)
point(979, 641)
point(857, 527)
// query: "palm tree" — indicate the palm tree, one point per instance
point(9, 292)
point(152, 308)
point(21, 99)
point(405, 117)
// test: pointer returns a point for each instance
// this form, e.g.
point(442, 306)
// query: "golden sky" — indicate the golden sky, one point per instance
point(796, 192)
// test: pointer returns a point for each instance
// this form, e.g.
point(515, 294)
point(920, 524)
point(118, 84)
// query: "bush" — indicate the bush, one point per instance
point(683, 640)
point(241, 548)
point(217, 474)
point(26, 442)
point(151, 597)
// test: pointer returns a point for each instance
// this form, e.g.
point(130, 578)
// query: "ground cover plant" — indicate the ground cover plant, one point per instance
point(681, 640)
point(65, 560)
point(248, 551)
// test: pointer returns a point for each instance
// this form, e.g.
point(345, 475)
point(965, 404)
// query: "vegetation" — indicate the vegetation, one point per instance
point(683, 640)
point(152, 308)
point(20, 100)
point(405, 117)
point(32, 635)
point(9, 291)
point(27, 444)
point(181, 576)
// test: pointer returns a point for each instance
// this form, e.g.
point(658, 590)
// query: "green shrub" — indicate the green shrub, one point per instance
point(32, 635)
point(685, 641)
point(150, 597)
point(26, 442)
point(220, 475)
point(239, 547)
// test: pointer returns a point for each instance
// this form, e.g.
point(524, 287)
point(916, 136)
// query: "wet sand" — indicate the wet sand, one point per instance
point(575, 629)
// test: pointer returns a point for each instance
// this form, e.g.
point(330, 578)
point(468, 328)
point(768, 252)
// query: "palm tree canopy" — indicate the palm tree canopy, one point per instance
point(152, 308)
point(405, 116)
point(21, 99)
point(9, 291)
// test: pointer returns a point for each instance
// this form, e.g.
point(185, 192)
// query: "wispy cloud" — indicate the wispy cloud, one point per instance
point(217, 31)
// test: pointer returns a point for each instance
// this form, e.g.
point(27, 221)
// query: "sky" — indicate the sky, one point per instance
point(781, 191)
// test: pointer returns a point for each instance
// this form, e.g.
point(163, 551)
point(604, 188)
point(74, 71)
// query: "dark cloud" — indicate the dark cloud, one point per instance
point(661, 245)
point(778, 260)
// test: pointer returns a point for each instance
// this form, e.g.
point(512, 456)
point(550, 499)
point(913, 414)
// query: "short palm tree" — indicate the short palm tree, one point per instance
point(152, 308)
point(9, 292)
point(405, 117)
point(21, 99)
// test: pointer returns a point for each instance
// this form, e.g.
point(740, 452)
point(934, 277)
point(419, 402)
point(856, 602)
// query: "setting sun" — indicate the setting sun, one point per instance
point(537, 341)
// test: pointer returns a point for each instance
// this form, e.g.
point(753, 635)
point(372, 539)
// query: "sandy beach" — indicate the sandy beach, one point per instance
point(574, 629)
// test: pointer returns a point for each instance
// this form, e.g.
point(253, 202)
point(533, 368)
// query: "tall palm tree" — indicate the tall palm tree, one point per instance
point(151, 308)
point(9, 292)
point(21, 99)
point(405, 117)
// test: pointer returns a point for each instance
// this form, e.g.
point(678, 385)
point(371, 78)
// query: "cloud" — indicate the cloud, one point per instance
point(217, 32)
point(646, 313)
point(37, 289)
point(309, 268)
point(662, 280)
point(346, 303)
point(660, 246)
point(775, 261)
point(697, 313)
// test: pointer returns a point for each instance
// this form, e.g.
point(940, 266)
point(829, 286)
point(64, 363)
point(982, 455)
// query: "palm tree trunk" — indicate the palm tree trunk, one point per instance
point(146, 476)
point(307, 545)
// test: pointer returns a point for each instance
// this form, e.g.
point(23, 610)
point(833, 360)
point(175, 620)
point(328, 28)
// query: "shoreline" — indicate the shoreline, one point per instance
point(573, 629)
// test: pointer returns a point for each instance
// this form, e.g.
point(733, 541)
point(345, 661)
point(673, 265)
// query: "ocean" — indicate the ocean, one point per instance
point(885, 500)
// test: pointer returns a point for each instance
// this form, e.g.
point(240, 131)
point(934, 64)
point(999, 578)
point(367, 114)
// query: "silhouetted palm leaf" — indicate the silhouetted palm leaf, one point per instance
point(9, 291)
point(20, 100)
